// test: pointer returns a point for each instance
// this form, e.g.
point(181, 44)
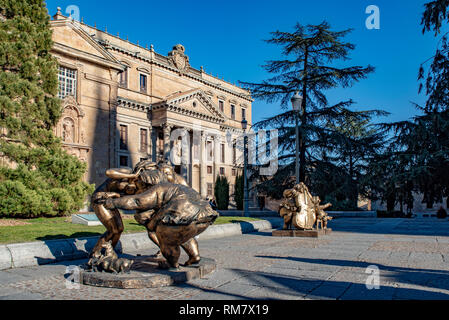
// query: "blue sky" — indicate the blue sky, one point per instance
point(226, 38)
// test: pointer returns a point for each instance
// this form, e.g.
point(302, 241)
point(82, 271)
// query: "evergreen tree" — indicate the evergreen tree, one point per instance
point(417, 159)
point(351, 146)
point(37, 178)
point(309, 67)
point(238, 192)
point(221, 192)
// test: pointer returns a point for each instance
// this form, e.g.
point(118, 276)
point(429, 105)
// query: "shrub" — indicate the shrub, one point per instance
point(222, 193)
point(238, 193)
point(441, 213)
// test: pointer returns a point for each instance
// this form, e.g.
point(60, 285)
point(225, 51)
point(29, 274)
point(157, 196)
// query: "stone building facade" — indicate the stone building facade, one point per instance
point(123, 103)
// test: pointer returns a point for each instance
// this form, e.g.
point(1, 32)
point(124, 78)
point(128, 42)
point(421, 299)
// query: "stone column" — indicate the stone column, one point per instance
point(216, 168)
point(185, 166)
point(150, 142)
point(203, 165)
point(167, 131)
point(153, 138)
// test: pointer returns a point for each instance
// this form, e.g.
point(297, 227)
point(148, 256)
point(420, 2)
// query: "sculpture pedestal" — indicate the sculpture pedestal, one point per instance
point(301, 233)
point(145, 273)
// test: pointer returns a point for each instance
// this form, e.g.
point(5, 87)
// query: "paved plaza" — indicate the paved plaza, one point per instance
point(411, 255)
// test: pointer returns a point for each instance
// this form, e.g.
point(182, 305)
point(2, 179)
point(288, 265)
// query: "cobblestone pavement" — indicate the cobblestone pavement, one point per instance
point(411, 255)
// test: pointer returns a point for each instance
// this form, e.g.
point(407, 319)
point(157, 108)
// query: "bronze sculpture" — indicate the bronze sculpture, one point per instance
point(321, 216)
point(172, 212)
point(177, 215)
point(109, 261)
point(300, 209)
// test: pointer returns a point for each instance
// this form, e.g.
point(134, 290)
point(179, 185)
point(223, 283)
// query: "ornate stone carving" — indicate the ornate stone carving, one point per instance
point(179, 59)
point(69, 129)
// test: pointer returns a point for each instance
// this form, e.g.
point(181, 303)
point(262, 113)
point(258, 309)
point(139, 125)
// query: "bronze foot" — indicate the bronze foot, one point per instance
point(193, 260)
point(165, 265)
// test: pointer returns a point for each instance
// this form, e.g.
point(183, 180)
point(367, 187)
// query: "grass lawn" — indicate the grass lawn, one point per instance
point(62, 228)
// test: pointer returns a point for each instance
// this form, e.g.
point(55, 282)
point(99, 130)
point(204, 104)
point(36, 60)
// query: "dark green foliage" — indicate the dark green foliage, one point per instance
point(335, 142)
point(37, 178)
point(222, 192)
point(238, 192)
point(390, 214)
point(441, 213)
point(417, 157)
point(435, 13)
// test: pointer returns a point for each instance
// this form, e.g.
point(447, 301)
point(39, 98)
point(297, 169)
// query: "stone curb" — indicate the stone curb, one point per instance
point(36, 253)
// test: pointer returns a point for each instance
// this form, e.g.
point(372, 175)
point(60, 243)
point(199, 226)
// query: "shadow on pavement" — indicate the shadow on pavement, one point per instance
point(75, 235)
point(438, 279)
point(393, 226)
point(272, 286)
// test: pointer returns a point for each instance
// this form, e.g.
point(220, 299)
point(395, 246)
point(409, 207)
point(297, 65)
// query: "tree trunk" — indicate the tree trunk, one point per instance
point(353, 189)
point(302, 145)
point(391, 200)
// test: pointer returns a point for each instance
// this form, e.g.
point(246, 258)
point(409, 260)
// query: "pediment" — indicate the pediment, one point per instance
point(195, 103)
point(69, 33)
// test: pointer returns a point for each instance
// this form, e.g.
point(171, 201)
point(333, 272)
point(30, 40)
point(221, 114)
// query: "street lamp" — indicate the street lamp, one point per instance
point(297, 103)
point(245, 164)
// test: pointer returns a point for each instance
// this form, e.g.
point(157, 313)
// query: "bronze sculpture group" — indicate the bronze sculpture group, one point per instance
point(302, 210)
point(172, 212)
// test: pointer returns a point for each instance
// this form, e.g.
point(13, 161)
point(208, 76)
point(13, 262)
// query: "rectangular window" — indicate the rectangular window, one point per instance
point(143, 140)
point(234, 153)
point(123, 161)
point(243, 114)
point(221, 105)
point(222, 171)
point(232, 112)
point(234, 172)
point(209, 189)
point(123, 137)
point(222, 153)
point(124, 78)
point(67, 82)
point(143, 83)
point(209, 169)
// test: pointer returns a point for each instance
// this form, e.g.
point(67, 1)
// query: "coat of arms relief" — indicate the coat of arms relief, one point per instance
point(179, 59)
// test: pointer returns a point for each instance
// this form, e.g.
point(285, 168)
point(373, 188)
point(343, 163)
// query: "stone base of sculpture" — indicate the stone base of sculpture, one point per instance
point(301, 233)
point(146, 273)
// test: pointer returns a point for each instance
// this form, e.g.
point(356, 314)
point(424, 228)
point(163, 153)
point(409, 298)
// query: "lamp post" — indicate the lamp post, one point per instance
point(245, 164)
point(297, 103)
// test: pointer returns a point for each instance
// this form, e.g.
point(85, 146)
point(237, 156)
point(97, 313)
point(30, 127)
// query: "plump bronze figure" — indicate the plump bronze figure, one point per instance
point(321, 216)
point(194, 214)
point(176, 213)
point(287, 208)
point(125, 181)
point(300, 209)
